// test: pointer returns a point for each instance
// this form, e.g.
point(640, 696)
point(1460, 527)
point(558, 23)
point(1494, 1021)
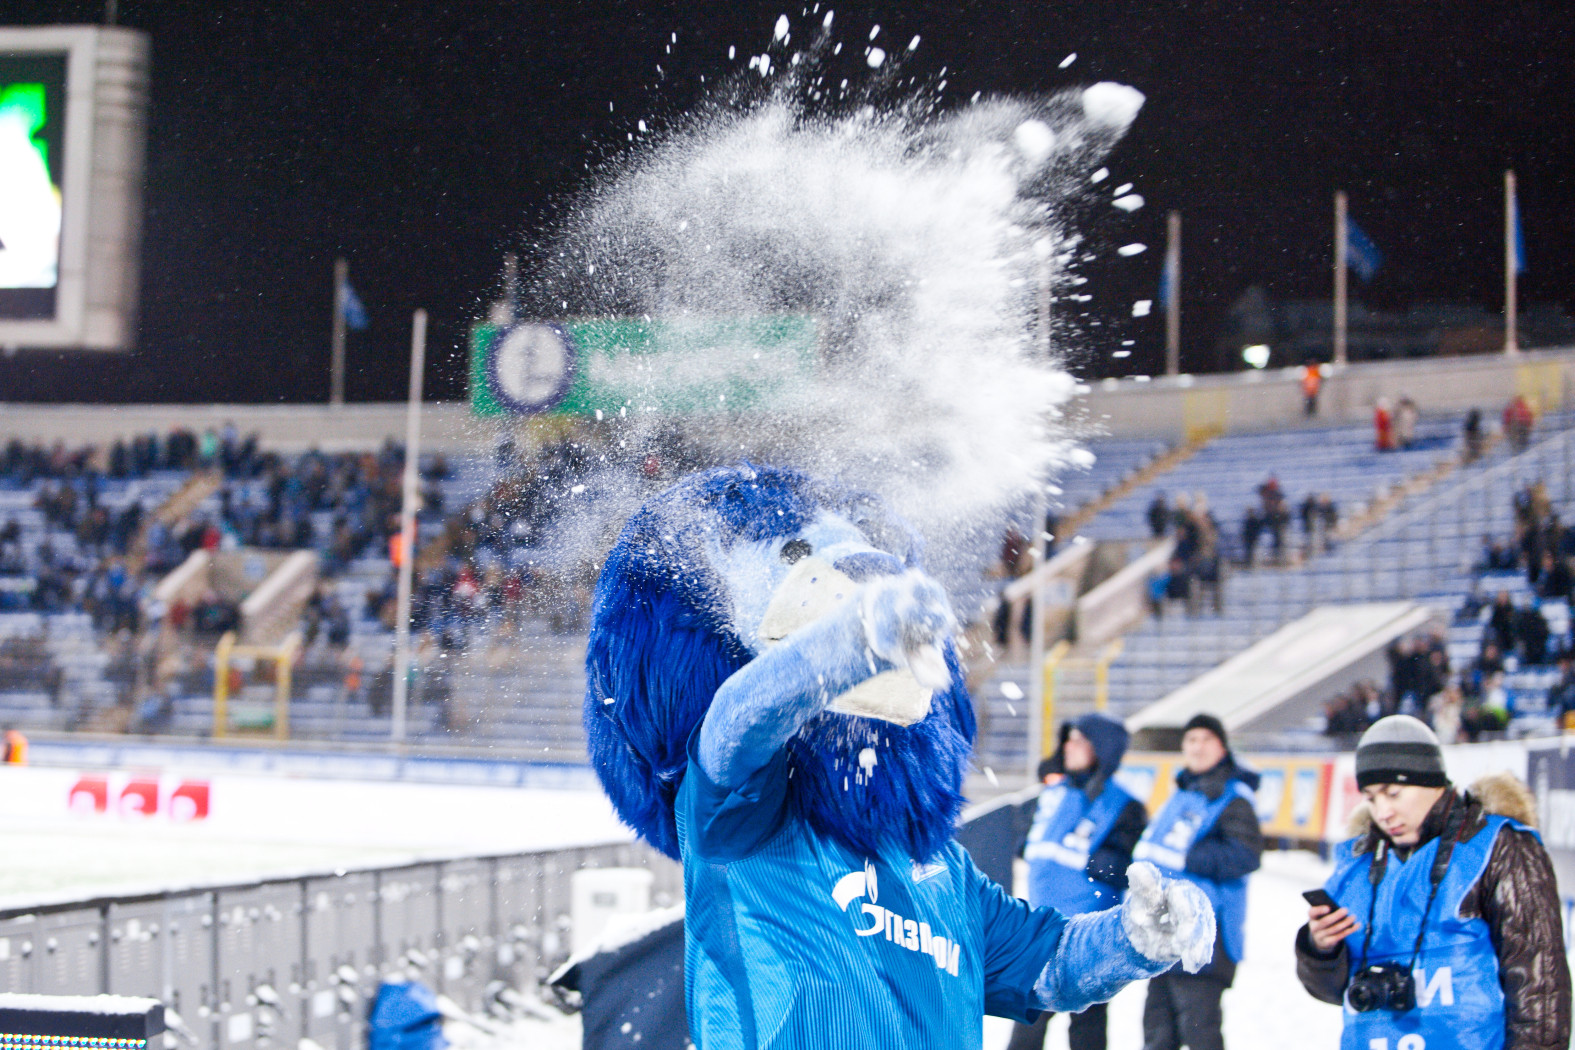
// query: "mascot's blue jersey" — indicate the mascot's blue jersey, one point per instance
point(792, 941)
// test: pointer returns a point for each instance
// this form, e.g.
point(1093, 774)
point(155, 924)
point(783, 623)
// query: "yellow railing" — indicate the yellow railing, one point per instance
point(1058, 660)
point(283, 655)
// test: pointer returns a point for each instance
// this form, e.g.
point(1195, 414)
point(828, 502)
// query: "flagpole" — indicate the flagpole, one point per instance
point(336, 368)
point(1339, 277)
point(1173, 294)
point(407, 525)
point(1511, 306)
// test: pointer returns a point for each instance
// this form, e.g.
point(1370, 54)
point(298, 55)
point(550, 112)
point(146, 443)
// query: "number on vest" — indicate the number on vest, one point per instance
point(1407, 1042)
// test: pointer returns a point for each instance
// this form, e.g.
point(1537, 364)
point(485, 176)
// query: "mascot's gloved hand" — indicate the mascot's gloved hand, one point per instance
point(906, 619)
point(1167, 920)
point(1159, 922)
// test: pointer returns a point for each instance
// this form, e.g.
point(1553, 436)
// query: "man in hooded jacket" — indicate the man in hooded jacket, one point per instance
point(1208, 834)
point(1080, 846)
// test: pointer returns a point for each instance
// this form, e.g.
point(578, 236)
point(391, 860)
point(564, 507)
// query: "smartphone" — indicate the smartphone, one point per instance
point(1321, 896)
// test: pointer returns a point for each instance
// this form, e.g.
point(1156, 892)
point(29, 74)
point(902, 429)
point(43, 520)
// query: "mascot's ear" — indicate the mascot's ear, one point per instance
point(653, 665)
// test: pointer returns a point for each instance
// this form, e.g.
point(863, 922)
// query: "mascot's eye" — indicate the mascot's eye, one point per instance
point(793, 550)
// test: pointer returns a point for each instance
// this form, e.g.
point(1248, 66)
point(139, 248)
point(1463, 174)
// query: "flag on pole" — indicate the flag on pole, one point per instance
point(1520, 236)
point(355, 313)
point(1363, 254)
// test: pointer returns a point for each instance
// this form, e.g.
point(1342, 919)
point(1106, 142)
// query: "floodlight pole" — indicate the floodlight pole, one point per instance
point(407, 526)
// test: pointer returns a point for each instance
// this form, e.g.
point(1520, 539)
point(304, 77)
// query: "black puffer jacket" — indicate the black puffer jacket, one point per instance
point(1516, 896)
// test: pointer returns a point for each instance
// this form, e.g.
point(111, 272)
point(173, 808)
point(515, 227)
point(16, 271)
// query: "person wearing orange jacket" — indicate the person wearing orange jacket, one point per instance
point(15, 748)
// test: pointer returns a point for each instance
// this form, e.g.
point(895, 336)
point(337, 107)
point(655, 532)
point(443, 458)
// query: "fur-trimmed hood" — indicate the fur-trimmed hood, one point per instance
point(1498, 794)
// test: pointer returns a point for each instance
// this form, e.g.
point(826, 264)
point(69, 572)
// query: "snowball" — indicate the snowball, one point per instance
point(1142, 307)
point(1129, 202)
point(876, 58)
point(1034, 140)
point(1132, 249)
point(1110, 104)
point(782, 27)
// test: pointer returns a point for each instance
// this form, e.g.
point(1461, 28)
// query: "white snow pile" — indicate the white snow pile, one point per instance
point(904, 228)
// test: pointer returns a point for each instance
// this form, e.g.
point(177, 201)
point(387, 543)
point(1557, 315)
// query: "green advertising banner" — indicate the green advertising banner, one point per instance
point(610, 365)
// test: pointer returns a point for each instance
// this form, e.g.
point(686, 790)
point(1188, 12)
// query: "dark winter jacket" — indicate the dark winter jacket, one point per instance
point(1516, 896)
point(1107, 864)
point(1233, 847)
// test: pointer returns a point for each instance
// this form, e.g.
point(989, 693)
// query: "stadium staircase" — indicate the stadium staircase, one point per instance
point(1414, 524)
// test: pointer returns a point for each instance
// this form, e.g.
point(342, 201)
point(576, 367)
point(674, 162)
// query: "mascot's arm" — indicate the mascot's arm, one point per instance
point(1158, 924)
point(898, 620)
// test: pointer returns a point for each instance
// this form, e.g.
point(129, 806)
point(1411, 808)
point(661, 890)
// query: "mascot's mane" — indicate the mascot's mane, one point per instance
point(662, 642)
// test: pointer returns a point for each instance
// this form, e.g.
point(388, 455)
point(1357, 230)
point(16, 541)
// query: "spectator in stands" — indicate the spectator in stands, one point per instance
point(1383, 426)
point(1251, 533)
point(1444, 712)
point(1276, 514)
point(1312, 383)
point(1561, 697)
point(1497, 556)
point(1320, 516)
point(1405, 423)
point(1531, 636)
point(1158, 516)
point(1488, 665)
point(1518, 421)
point(1472, 436)
point(13, 747)
point(1206, 833)
point(1555, 580)
point(1501, 623)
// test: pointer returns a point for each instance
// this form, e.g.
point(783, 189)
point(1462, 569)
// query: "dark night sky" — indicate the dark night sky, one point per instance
point(423, 140)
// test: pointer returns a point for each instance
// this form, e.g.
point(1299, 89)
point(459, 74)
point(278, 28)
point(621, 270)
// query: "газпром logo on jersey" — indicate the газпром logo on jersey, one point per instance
point(903, 932)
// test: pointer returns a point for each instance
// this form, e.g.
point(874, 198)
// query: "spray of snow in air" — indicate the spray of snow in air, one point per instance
point(915, 238)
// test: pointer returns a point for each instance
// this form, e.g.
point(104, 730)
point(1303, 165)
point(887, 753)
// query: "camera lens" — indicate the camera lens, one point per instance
point(1361, 996)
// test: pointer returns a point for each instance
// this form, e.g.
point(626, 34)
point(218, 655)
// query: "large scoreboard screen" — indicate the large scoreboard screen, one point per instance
point(32, 181)
point(73, 125)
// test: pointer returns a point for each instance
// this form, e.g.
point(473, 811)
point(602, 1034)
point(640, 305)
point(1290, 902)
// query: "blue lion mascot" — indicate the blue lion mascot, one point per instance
point(773, 697)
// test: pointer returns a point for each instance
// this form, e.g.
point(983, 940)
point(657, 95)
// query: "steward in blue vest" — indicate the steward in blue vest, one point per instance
point(1447, 933)
point(1079, 847)
point(1086, 824)
point(1208, 834)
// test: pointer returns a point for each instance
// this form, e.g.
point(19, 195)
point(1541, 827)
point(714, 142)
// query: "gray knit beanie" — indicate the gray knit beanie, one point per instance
point(1400, 749)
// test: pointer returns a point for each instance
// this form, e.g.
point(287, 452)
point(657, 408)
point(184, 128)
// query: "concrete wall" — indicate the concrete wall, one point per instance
point(1172, 408)
point(1182, 406)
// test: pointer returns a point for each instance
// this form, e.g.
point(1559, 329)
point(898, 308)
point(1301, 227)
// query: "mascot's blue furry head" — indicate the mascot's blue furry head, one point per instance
point(669, 626)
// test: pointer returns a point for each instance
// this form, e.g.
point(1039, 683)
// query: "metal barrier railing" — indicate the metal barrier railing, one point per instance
point(267, 963)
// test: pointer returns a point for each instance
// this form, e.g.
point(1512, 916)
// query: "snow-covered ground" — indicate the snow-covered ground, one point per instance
point(1266, 1008)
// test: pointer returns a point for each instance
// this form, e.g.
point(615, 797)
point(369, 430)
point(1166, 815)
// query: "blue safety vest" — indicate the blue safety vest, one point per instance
point(1459, 1003)
point(1068, 828)
point(1187, 817)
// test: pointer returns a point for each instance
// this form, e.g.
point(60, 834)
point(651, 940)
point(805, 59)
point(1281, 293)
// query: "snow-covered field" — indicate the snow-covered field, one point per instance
point(54, 858)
